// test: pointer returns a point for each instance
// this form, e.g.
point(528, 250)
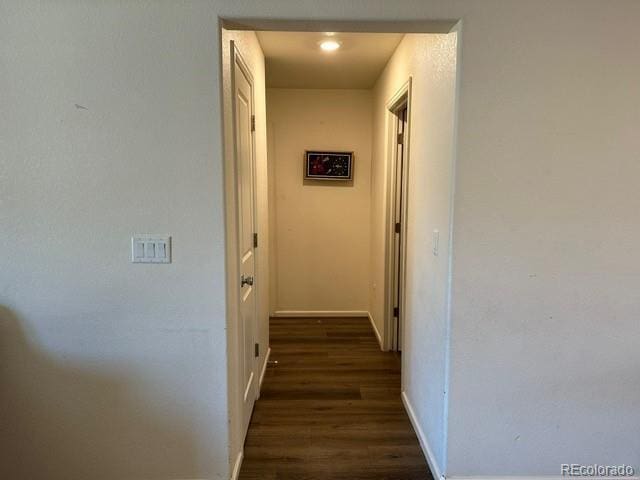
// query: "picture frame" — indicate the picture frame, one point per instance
point(328, 165)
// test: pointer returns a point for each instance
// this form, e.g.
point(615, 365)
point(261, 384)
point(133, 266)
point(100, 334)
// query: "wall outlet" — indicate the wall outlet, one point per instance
point(150, 248)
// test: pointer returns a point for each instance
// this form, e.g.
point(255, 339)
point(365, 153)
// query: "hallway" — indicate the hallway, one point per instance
point(330, 408)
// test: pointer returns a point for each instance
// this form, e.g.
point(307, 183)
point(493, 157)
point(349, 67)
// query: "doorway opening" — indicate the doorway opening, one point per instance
point(324, 255)
point(398, 127)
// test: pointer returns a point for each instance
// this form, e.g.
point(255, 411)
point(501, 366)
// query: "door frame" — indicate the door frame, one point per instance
point(238, 60)
point(398, 101)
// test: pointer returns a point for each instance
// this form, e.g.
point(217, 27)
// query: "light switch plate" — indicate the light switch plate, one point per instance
point(150, 248)
point(436, 242)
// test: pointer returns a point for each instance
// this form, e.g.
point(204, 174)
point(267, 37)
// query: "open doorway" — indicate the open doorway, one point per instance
point(331, 253)
point(398, 131)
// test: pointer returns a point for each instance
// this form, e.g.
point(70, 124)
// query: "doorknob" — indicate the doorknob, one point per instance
point(245, 281)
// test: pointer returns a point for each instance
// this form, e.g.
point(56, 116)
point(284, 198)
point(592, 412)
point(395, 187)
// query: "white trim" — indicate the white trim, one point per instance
point(264, 370)
point(248, 389)
point(422, 438)
point(321, 313)
point(529, 477)
point(236, 467)
point(401, 97)
point(376, 331)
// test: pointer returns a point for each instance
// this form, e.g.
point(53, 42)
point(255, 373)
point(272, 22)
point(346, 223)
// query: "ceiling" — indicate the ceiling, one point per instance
point(295, 60)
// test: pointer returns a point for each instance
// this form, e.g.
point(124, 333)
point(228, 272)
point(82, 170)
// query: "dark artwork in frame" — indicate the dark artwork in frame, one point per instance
point(328, 165)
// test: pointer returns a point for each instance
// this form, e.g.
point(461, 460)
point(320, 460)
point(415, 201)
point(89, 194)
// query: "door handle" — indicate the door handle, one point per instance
point(245, 281)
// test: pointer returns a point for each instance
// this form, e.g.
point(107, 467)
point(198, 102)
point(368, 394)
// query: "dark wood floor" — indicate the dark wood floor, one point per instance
point(331, 409)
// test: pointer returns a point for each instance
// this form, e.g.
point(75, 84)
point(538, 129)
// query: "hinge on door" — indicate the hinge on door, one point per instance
point(397, 227)
point(400, 138)
point(255, 240)
point(253, 123)
point(396, 312)
point(257, 350)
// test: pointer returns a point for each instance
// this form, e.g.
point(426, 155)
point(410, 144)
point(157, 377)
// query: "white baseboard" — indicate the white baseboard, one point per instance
point(263, 371)
point(236, 467)
point(376, 331)
point(422, 438)
point(320, 313)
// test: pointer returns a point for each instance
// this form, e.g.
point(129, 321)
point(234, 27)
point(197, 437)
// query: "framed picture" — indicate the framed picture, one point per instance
point(328, 165)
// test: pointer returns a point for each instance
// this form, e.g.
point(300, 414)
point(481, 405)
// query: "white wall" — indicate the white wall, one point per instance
point(110, 127)
point(246, 43)
point(430, 61)
point(119, 370)
point(545, 364)
point(321, 259)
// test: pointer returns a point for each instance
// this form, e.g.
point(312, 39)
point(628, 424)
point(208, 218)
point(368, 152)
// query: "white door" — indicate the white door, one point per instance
point(245, 165)
point(398, 254)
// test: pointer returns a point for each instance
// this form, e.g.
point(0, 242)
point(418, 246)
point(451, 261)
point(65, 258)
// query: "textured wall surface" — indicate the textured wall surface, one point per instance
point(321, 259)
point(544, 324)
point(116, 370)
point(430, 61)
point(110, 127)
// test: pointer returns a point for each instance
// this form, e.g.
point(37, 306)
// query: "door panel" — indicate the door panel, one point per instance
point(245, 165)
point(401, 129)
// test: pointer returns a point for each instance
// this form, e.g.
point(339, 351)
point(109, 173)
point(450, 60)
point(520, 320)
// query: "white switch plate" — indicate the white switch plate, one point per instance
point(150, 248)
point(436, 242)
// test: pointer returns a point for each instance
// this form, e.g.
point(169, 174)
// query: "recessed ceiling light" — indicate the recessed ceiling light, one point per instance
point(329, 45)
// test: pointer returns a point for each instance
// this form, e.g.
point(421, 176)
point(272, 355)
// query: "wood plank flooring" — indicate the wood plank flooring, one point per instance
point(330, 409)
